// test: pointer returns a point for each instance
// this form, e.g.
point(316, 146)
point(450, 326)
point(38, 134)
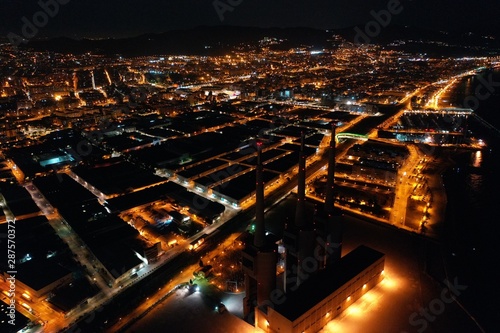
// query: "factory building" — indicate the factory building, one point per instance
point(322, 283)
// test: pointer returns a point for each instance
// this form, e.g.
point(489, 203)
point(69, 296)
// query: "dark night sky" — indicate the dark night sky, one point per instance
point(120, 18)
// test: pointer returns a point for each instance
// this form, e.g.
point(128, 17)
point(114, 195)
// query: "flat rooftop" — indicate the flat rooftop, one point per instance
point(323, 284)
point(117, 177)
point(18, 199)
point(38, 274)
point(69, 296)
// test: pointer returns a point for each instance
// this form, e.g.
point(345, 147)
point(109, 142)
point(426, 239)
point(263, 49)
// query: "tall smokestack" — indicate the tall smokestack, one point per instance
point(259, 234)
point(329, 200)
point(300, 216)
point(93, 81)
point(75, 82)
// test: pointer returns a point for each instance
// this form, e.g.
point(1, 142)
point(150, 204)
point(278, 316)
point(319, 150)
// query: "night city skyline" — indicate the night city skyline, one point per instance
point(243, 166)
point(120, 19)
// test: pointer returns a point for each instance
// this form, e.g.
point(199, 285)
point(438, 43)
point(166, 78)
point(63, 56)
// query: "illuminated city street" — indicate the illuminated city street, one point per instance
point(247, 167)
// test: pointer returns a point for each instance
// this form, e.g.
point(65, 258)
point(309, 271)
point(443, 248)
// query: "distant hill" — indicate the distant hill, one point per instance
point(221, 39)
point(198, 41)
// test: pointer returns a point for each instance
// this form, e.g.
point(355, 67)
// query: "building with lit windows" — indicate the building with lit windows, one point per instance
point(324, 295)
